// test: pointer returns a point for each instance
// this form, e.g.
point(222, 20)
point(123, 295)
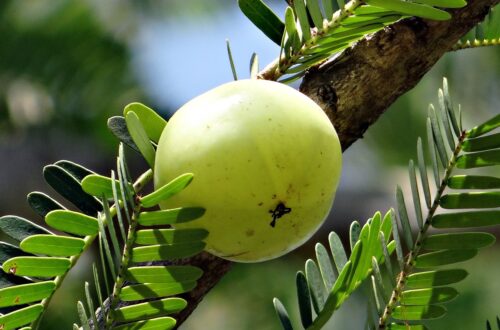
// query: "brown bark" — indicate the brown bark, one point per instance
point(355, 88)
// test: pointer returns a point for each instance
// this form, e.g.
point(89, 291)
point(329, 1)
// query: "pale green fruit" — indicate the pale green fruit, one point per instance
point(254, 147)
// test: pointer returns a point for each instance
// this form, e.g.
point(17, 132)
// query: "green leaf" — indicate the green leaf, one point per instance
point(466, 219)
point(363, 21)
point(415, 194)
point(152, 122)
point(484, 128)
point(166, 251)
point(325, 266)
point(36, 266)
point(118, 126)
point(328, 7)
point(443, 114)
point(42, 203)
point(254, 66)
point(99, 186)
point(231, 60)
point(304, 299)
point(372, 11)
point(140, 138)
point(90, 303)
point(69, 187)
point(282, 314)
point(170, 189)
point(82, 315)
point(432, 150)
point(435, 278)
point(403, 217)
point(163, 274)
point(479, 159)
point(263, 18)
point(301, 12)
point(422, 168)
point(291, 29)
point(412, 9)
point(428, 296)
point(458, 241)
point(482, 143)
point(171, 216)
point(438, 137)
point(444, 257)
point(316, 286)
point(150, 309)
point(409, 313)
point(25, 293)
point(470, 200)
point(473, 182)
point(20, 317)
point(19, 228)
point(316, 15)
point(72, 222)
point(169, 236)
point(155, 290)
point(397, 240)
point(354, 231)
point(52, 245)
point(8, 251)
point(160, 323)
point(76, 170)
point(449, 108)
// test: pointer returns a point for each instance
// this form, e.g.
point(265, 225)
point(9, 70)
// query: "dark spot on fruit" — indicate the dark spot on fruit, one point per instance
point(274, 196)
point(278, 212)
point(250, 232)
point(260, 204)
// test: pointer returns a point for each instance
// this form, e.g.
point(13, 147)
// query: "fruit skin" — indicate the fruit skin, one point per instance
point(252, 144)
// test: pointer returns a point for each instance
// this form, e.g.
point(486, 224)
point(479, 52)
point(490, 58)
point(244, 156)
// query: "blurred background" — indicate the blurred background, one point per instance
point(66, 66)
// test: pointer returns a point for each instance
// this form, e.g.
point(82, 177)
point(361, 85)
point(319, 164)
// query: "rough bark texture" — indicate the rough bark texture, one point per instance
point(355, 88)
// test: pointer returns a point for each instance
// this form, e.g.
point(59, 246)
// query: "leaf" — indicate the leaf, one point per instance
point(36, 266)
point(26, 293)
point(20, 317)
point(8, 251)
point(338, 252)
point(354, 231)
point(90, 304)
point(405, 326)
point(231, 60)
point(99, 186)
point(470, 200)
point(163, 274)
point(449, 108)
point(82, 315)
point(118, 126)
point(19, 228)
point(438, 137)
point(466, 219)
point(42, 203)
point(403, 217)
point(409, 313)
point(304, 299)
point(479, 159)
point(282, 314)
point(291, 30)
point(169, 236)
point(166, 251)
point(397, 240)
point(325, 266)
point(155, 290)
point(432, 150)
point(458, 241)
point(171, 216)
point(254, 66)
point(316, 15)
point(76, 170)
point(482, 143)
point(69, 187)
point(415, 195)
point(316, 286)
point(160, 323)
point(473, 182)
point(170, 189)
point(72, 222)
point(150, 309)
point(428, 296)
point(151, 121)
point(412, 9)
point(444, 257)
point(301, 12)
point(484, 128)
point(140, 138)
point(52, 245)
point(435, 278)
point(263, 18)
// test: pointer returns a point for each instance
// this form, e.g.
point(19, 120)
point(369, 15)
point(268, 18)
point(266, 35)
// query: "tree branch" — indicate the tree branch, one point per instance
point(355, 88)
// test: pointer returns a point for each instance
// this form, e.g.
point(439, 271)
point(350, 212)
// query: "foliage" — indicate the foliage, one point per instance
point(414, 292)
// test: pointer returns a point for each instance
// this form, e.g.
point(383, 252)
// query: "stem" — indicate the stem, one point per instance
point(476, 44)
point(279, 66)
point(120, 279)
point(138, 185)
point(410, 258)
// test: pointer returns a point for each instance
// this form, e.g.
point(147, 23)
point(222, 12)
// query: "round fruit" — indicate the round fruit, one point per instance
point(266, 162)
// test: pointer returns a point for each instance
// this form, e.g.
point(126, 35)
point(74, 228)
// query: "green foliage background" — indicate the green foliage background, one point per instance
point(74, 60)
